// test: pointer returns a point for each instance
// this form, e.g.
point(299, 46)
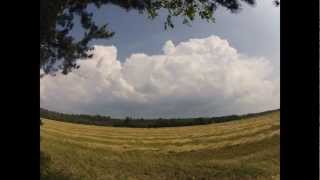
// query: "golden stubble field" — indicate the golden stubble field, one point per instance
point(242, 149)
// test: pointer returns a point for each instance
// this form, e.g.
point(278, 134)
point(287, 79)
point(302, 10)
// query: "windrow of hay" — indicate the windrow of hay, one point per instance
point(241, 149)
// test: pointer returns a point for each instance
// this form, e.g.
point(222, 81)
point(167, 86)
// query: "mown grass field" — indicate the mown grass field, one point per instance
point(242, 149)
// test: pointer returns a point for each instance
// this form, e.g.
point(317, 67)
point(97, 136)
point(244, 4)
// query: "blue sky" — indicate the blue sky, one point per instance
point(209, 69)
point(254, 31)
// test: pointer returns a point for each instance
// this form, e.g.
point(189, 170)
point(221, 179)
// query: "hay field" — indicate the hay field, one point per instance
point(242, 149)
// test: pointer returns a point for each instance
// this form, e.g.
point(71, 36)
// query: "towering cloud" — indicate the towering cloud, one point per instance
point(199, 77)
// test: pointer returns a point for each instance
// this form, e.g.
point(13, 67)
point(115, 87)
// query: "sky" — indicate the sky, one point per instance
point(209, 69)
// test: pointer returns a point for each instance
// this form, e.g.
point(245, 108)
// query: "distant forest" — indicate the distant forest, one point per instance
point(140, 123)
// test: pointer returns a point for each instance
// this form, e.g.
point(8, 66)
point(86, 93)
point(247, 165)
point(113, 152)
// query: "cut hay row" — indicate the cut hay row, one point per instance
point(244, 133)
point(241, 149)
point(159, 133)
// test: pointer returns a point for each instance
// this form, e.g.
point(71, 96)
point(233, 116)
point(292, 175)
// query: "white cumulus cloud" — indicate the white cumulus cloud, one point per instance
point(199, 77)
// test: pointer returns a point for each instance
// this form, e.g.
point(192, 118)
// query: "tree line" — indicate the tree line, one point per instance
point(140, 122)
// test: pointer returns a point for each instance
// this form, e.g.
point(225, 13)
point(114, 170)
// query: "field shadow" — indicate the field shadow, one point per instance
point(46, 172)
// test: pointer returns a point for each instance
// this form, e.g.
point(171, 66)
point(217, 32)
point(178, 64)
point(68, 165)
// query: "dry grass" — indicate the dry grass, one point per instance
point(242, 149)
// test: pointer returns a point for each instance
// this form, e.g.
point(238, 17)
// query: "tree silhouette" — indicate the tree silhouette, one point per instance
point(58, 46)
